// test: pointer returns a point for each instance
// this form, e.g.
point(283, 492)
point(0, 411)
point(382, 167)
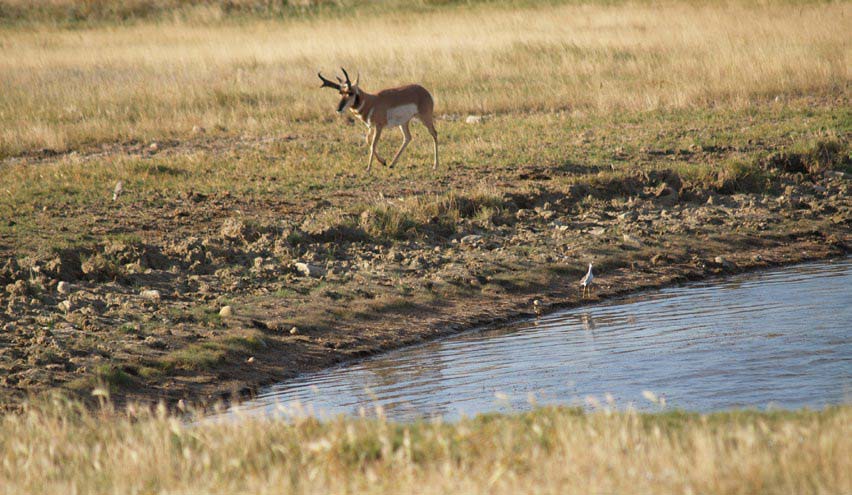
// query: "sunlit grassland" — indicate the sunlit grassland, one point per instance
point(314, 165)
point(63, 449)
point(73, 88)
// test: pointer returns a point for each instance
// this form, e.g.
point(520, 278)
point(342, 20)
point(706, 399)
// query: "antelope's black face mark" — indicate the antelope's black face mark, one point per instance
point(348, 90)
point(348, 95)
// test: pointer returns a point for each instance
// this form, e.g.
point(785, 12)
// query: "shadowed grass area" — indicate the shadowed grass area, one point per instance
point(60, 446)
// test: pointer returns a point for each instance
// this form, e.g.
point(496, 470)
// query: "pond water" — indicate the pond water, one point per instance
point(779, 338)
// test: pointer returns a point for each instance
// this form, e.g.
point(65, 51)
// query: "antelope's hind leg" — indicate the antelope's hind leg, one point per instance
point(430, 125)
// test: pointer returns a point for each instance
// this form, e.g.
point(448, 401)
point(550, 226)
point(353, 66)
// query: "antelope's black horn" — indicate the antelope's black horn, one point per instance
point(326, 83)
point(347, 76)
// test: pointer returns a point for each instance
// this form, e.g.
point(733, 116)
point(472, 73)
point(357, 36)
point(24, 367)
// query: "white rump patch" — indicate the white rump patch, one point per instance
point(401, 114)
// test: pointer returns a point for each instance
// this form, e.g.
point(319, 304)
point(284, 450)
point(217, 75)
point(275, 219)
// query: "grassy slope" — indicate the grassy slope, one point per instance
point(54, 448)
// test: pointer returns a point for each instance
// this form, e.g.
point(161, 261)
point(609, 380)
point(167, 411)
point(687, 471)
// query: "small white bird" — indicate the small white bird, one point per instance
point(586, 282)
point(119, 187)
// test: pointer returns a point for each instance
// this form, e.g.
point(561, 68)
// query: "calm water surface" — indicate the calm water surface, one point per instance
point(780, 338)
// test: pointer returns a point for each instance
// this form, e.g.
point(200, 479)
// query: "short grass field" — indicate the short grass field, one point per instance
point(650, 137)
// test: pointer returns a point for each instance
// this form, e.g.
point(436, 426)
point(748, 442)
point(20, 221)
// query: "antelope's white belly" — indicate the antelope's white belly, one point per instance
point(401, 114)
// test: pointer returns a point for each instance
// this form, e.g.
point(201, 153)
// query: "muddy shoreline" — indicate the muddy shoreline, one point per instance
point(555, 299)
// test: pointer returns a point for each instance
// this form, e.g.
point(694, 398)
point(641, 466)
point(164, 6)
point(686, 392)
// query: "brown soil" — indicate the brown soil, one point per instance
point(309, 286)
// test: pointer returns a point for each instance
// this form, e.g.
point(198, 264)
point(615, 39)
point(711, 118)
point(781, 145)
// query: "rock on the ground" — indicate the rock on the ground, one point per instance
point(720, 260)
point(226, 311)
point(308, 270)
point(232, 228)
point(63, 287)
point(19, 287)
point(151, 294)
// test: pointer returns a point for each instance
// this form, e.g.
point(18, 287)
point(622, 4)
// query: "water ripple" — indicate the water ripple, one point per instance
point(781, 337)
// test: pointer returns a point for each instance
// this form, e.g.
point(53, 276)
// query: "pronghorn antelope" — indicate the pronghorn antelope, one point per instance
point(389, 107)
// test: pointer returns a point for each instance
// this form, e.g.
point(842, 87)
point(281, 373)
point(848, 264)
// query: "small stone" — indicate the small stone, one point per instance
point(119, 188)
point(308, 270)
point(63, 287)
point(250, 360)
point(64, 306)
point(150, 294)
point(546, 214)
point(226, 312)
point(294, 331)
point(727, 265)
point(19, 287)
point(473, 119)
point(471, 239)
point(154, 147)
point(232, 228)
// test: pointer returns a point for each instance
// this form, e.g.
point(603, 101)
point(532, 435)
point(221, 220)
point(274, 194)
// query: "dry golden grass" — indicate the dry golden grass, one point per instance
point(62, 449)
point(67, 88)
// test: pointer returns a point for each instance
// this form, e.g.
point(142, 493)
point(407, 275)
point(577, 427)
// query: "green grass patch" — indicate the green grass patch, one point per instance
point(206, 355)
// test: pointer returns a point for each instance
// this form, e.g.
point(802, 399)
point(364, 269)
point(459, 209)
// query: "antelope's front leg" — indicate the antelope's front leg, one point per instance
point(406, 138)
point(377, 133)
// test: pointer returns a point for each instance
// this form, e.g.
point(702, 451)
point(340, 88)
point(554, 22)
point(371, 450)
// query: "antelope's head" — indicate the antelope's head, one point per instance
point(349, 91)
